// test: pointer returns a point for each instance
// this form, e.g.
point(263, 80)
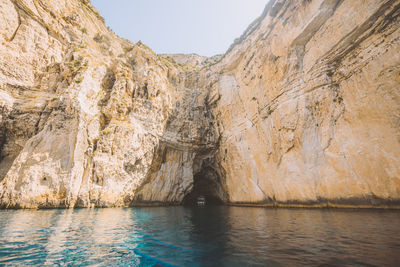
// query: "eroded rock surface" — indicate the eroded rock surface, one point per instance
point(193, 61)
point(85, 115)
point(309, 105)
point(304, 108)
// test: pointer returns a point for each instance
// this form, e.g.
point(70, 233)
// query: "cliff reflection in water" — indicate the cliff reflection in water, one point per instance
point(205, 236)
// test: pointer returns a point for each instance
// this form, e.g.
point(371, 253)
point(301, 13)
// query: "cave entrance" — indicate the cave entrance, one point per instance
point(207, 183)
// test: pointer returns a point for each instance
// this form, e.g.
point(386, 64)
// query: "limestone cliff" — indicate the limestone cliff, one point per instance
point(309, 105)
point(88, 119)
point(304, 108)
point(192, 61)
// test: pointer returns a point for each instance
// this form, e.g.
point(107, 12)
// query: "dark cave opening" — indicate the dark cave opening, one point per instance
point(207, 183)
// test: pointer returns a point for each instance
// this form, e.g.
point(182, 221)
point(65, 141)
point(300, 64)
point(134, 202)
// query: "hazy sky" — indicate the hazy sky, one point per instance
point(205, 27)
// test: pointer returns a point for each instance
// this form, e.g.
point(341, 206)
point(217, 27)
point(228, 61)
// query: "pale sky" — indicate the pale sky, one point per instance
point(205, 27)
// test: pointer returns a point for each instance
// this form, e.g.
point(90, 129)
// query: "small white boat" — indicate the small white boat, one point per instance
point(201, 201)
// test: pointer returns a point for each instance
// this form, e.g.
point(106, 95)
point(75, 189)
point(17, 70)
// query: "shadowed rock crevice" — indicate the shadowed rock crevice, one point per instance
point(3, 168)
point(209, 183)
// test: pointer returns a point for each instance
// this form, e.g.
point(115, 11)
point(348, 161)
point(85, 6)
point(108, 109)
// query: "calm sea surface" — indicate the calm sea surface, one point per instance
point(200, 236)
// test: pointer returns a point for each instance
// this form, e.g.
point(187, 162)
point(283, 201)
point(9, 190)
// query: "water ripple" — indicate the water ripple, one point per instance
point(211, 236)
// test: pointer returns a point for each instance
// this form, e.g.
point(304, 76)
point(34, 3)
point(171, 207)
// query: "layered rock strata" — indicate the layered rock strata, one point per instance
point(309, 105)
point(303, 109)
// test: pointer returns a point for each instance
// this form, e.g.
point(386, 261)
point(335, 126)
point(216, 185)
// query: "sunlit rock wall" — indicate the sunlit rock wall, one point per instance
point(84, 114)
point(309, 105)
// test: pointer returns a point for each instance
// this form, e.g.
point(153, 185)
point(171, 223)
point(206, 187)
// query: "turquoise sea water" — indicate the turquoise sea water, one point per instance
point(200, 236)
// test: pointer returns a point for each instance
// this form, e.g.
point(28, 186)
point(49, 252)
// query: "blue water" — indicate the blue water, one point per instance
point(204, 236)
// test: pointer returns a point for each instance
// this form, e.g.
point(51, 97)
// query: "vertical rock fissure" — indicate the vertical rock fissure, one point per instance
point(2, 142)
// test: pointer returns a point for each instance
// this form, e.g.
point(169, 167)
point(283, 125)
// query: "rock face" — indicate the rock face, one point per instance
point(88, 119)
point(193, 60)
point(304, 108)
point(309, 105)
